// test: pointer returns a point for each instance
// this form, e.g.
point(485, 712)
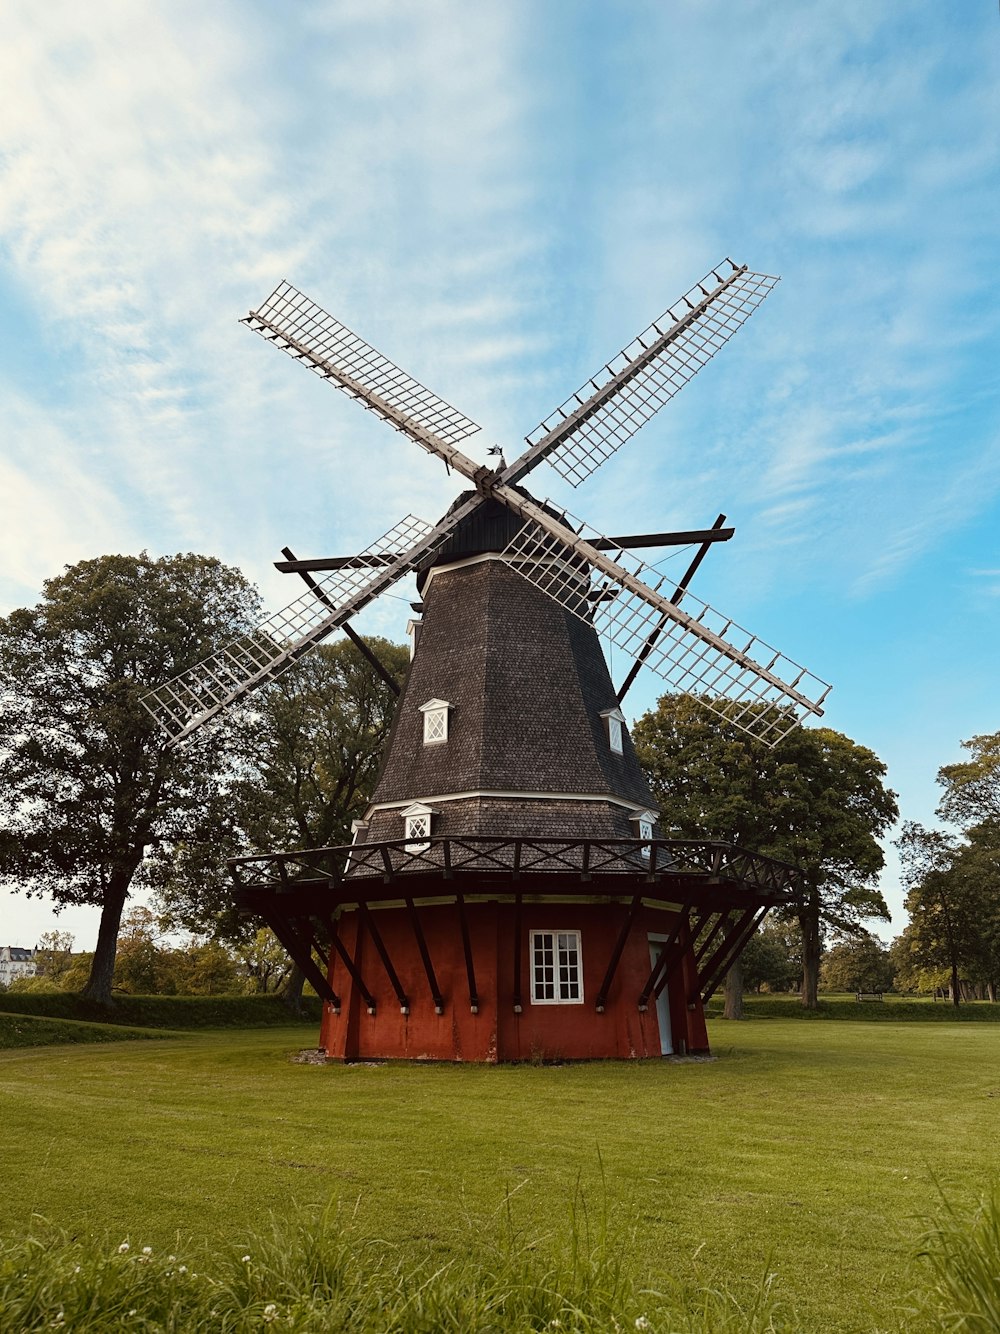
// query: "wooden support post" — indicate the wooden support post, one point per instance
point(616, 954)
point(723, 951)
point(517, 951)
point(383, 954)
point(301, 955)
point(708, 989)
point(660, 967)
point(467, 947)
point(350, 965)
point(418, 932)
point(702, 949)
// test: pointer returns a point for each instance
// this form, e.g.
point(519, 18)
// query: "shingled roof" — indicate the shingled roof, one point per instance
point(526, 681)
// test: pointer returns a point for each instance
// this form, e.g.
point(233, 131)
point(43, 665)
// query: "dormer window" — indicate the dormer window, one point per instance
point(614, 726)
point(643, 822)
point(417, 820)
point(435, 713)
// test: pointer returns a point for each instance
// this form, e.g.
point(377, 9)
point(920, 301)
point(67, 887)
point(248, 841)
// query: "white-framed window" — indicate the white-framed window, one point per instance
point(417, 824)
point(643, 822)
point(556, 968)
point(614, 725)
point(435, 713)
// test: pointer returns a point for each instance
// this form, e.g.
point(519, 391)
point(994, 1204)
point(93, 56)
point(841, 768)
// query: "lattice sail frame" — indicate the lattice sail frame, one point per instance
point(295, 323)
point(591, 425)
point(749, 683)
point(194, 696)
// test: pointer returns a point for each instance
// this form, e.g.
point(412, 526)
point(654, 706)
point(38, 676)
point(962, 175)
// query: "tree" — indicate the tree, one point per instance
point(816, 799)
point(773, 958)
point(972, 787)
point(264, 960)
point(90, 793)
point(311, 762)
point(54, 957)
point(860, 963)
point(954, 907)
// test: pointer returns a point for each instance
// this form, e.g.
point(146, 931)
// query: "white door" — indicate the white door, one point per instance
point(656, 944)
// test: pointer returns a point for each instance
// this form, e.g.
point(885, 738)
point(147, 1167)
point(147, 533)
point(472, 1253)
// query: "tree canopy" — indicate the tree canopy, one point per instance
point(817, 799)
point(311, 759)
point(90, 793)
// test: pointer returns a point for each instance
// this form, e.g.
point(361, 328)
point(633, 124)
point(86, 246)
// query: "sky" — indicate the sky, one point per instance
point(499, 197)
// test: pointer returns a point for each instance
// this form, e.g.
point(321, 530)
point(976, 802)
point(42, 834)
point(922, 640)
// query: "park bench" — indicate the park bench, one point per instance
point(869, 995)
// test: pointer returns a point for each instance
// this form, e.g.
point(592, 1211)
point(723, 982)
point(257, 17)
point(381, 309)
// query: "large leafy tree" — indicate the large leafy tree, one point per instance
point(972, 786)
point(90, 793)
point(953, 900)
point(816, 799)
point(859, 963)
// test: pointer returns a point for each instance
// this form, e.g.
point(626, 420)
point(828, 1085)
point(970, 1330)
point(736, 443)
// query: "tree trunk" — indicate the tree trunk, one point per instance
point(102, 970)
point(809, 922)
point(291, 992)
point(734, 992)
point(956, 986)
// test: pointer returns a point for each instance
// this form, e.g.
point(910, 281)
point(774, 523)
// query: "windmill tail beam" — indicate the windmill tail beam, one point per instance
point(678, 593)
point(557, 558)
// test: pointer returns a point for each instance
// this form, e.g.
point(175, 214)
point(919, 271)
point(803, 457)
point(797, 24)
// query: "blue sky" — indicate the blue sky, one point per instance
point(499, 196)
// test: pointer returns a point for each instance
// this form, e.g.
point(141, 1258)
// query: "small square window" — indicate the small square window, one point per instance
point(418, 827)
point(435, 726)
point(417, 824)
point(556, 971)
point(435, 713)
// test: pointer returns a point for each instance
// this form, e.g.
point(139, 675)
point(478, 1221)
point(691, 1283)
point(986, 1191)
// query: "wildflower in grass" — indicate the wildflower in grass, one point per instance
point(270, 1313)
point(182, 1269)
point(246, 1259)
point(147, 1250)
point(643, 1322)
point(123, 1248)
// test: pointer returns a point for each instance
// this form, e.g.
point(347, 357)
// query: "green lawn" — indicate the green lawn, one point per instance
point(809, 1148)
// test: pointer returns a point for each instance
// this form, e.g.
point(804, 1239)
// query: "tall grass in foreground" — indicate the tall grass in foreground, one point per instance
point(963, 1251)
point(318, 1275)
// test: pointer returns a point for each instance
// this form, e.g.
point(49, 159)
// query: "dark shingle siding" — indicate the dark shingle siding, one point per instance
point(527, 682)
point(510, 817)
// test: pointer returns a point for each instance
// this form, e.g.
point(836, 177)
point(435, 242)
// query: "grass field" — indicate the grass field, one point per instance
point(810, 1150)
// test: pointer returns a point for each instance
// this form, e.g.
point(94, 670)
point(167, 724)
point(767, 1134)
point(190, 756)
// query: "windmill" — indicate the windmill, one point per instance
point(504, 576)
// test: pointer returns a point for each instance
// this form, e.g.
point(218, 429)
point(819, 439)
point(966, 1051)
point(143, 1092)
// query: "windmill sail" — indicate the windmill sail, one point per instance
point(295, 323)
point(192, 698)
point(697, 650)
point(608, 410)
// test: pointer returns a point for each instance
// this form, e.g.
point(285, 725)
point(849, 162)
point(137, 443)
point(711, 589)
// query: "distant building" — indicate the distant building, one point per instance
point(16, 962)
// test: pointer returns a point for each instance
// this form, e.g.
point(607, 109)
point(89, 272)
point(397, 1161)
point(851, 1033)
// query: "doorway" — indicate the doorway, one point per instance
point(657, 944)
